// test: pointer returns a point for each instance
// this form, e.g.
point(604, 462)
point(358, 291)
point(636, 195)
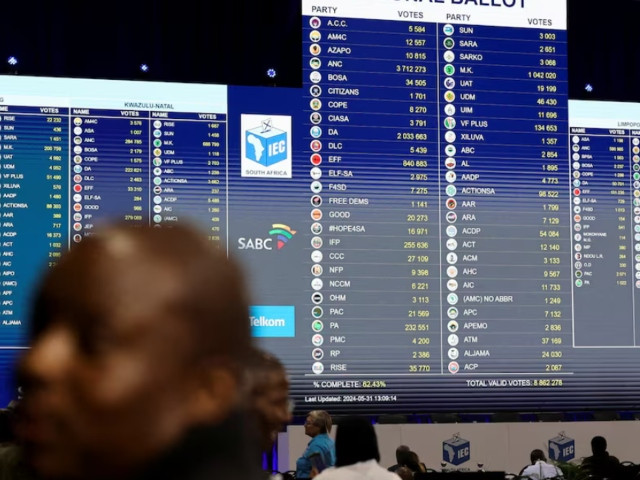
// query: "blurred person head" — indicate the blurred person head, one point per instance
point(356, 441)
point(536, 455)
point(267, 387)
point(401, 454)
point(138, 335)
point(412, 461)
point(318, 422)
point(598, 445)
point(404, 473)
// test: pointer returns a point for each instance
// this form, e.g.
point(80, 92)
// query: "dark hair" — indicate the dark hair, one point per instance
point(598, 445)
point(402, 454)
point(412, 462)
point(536, 455)
point(356, 441)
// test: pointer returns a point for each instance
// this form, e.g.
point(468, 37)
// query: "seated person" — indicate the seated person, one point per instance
point(414, 464)
point(601, 464)
point(539, 468)
point(401, 457)
point(318, 427)
point(404, 473)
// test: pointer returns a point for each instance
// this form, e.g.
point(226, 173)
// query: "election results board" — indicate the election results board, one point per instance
point(428, 223)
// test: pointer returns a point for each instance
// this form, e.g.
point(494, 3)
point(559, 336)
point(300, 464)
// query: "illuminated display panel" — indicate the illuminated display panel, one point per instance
point(428, 223)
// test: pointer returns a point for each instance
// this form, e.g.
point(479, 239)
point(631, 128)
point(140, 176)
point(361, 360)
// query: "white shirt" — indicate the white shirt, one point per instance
point(541, 470)
point(369, 470)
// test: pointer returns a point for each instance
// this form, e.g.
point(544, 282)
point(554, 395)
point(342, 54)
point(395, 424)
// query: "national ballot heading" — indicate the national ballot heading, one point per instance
point(547, 14)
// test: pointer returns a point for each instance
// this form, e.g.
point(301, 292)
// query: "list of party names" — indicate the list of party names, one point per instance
point(440, 211)
point(605, 191)
point(458, 223)
point(66, 169)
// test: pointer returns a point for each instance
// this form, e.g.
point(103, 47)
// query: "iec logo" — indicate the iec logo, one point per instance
point(283, 234)
point(266, 146)
point(562, 448)
point(456, 450)
point(272, 321)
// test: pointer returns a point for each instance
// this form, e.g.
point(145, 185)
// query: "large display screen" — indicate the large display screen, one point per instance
point(428, 224)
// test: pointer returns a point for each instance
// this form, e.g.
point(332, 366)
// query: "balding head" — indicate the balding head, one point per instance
point(138, 334)
point(175, 273)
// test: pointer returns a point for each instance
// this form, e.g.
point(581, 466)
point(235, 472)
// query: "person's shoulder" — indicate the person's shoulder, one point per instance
point(317, 440)
point(320, 444)
point(328, 439)
point(385, 474)
point(331, 473)
point(529, 469)
point(378, 472)
point(389, 475)
point(325, 439)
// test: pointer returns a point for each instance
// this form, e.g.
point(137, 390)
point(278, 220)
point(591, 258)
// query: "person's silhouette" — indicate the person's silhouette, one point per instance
point(136, 361)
